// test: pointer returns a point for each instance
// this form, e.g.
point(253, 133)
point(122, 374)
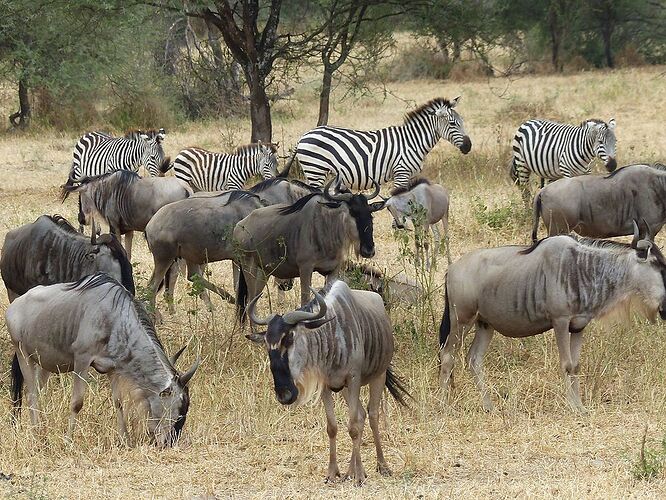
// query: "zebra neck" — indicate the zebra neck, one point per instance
point(420, 136)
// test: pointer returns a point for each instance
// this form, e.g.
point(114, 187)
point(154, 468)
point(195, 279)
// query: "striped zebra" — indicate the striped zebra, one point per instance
point(98, 153)
point(207, 171)
point(554, 150)
point(397, 152)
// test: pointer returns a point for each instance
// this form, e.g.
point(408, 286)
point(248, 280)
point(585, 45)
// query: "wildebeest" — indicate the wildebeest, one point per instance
point(559, 283)
point(95, 323)
point(394, 288)
point(346, 344)
point(425, 204)
point(313, 234)
point(125, 201)
point(279, 190)
point(50, 251)
point(198, 230)
point(604, 206)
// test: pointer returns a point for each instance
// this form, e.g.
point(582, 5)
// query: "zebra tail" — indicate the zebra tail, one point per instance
point(445, 326)
point(241, 297)
point(285, 172)
point(513, 171)
point(537, 214)
point(17, 387)
point(397, 387)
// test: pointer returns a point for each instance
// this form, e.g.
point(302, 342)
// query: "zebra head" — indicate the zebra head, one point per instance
point(153, 154)
point(450, 126)
point(267, 160)
point(605, 142)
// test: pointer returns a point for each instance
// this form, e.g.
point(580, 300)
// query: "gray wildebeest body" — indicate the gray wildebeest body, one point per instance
point(125, 201)
point(50, 251)
point(96, 323)
point(604, 206)
point(198, 230)
point(424, 204)
point(293, 241)
point(557, 283)
point(346, 344)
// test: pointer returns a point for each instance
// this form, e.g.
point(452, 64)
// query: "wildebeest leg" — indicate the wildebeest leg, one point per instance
point(562, 336)
point(356, 420)
point(120, 415)
point(129, 236)
point(376, 387)
point(482, 338)
point(332, 431)
point(79, 386)
point(159, 270)
point(436, 236)
point(576, 343)
point(192, 271)
point(29, 371)
point(306, 279)
point(170, 280)
point(450, 350)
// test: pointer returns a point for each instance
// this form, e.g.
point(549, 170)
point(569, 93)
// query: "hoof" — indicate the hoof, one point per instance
point(384, 470)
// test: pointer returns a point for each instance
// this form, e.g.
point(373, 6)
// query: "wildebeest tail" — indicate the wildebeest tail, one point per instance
point(396, 386)
point(445, 326)
point(241, 297)
point(17, 386)
point(536, 215)
point(287, 168)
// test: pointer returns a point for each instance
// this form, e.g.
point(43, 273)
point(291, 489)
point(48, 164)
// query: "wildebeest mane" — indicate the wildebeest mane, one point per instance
point(124, 177)
point(533, 246)
point(298, 205)
point(305, 185)
point(265, 184)
point(62, 223)
point(118, 253)
point(239, 194)
point(413, 182)
point(431, 105)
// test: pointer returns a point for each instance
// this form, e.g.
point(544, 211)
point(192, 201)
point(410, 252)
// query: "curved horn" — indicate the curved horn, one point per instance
point(636, 234)
point(93, 235)
point(336, 197)
point(375, 192)
point(176, 355)
point(255, 319)
point(647, 234)
point(185, 377)
point(294, 317)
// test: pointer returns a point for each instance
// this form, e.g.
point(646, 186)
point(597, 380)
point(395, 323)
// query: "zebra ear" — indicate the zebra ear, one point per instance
point(455, 101)
point(161, 135)
point(611, 124)
point(145, 137)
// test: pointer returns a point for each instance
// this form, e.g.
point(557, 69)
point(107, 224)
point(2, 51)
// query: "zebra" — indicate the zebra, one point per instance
point(98, 153)
point(397, 152)
point(554, 150)
point(207, 171)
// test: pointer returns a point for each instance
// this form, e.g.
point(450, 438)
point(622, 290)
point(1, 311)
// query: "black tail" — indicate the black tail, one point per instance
point(287, 168)
point(396, 386)
point(537, 214)
point(241, 297)
point(17, 386)
point(445, 326)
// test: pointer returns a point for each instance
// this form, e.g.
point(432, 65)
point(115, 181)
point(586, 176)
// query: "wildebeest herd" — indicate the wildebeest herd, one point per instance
point(72, 296)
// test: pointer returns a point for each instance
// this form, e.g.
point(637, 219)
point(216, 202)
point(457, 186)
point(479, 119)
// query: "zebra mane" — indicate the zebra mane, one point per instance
point(432, 105)
point(592, 120)
point(253, 148)
point(413, 182)
point(298, 205)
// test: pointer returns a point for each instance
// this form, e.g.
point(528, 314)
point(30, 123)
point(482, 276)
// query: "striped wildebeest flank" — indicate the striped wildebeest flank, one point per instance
point(198, 230)
point(346, 344)
point(424, 204)
point(96, 323)
point(125, 201)
point(50, 251)
point(361, 157)
point(602, 207)
point(554, 150)
point(208, 171)
point(293, 241)
point(559, 283)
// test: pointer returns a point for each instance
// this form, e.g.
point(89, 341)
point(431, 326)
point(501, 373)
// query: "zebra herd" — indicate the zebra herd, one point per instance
point(286, 228)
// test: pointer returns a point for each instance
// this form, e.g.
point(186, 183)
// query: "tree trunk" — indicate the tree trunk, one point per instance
point(607, 35)
point(21, 118)
point(555, 38)
point(325, 96)
point(260, 112)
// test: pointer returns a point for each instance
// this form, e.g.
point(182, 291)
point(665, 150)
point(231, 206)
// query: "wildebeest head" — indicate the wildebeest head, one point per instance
point(604, 146)
point(169, 411)
point(651, 259)
point(153, 154)
point(361, 212)
point(451, 127)
point(279, 339)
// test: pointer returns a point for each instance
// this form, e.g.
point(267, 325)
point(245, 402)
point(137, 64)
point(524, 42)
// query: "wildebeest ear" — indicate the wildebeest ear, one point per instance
point(311, 325)
point(330, 204)
point(256, 337)
point(378, 205)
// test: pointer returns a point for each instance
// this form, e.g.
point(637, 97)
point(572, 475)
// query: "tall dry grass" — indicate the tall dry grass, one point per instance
point(239, 442)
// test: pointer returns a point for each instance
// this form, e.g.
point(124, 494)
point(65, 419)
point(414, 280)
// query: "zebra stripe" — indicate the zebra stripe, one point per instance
point(98, 153)
point(554, 150)
point(207, 171)
point(397, 152)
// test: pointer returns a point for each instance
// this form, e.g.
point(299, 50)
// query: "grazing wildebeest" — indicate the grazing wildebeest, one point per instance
point(290, 241)
point(95, 323)
point(425, 204)
point(125, 201)
point(393, 287)
point(559, 283)
point(50, 251)
point(199, 231)
point(604, 206)
point(346, 344)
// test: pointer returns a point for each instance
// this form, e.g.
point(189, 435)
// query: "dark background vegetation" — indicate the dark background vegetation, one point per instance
point(74, 65)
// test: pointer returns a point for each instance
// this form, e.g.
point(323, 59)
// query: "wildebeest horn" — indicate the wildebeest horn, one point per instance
point(336, 197)
point(255, 319)
point(647, 229)
point(185, 377)
point(375, 192)
point(636, 234)
point(176, 355)
point(93, 236)
point(294, 317)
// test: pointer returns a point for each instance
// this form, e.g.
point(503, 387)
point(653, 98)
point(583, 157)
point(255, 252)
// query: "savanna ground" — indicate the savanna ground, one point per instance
point(240, 442)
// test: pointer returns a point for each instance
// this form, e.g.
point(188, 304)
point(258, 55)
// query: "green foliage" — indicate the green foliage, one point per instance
point(650, 462)
point(500, 217)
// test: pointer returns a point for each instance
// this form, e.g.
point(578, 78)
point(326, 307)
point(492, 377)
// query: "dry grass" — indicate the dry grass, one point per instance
point(239, 442)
